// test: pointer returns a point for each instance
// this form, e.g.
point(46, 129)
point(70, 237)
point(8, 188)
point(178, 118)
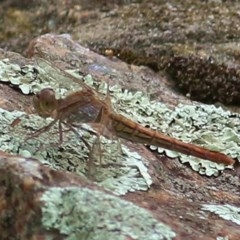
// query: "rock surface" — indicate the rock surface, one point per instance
point(176, 198)
point(182, 203)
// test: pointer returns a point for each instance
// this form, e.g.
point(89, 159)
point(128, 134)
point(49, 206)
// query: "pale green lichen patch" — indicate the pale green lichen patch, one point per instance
point(120, 174)
point(206, 125)
point(23, 77)
point(222, 238)
point(81, 213)
point(33, 78)
point(225, 211)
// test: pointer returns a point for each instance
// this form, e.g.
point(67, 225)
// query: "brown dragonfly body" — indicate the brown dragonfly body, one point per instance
point(84, 106)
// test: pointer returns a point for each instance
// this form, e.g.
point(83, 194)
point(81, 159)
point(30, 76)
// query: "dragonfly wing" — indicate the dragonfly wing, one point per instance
point(59, 74)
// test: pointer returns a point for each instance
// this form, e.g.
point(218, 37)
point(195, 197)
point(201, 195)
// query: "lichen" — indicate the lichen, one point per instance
point(222, 238)
point(23, 77)
point(33, 78)
point(81, 213)
point(226, 211)
point(206, 125)
point(120, 174)
point(210, 75)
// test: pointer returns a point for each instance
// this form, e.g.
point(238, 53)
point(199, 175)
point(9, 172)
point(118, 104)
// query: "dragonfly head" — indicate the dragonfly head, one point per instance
point(45, 103)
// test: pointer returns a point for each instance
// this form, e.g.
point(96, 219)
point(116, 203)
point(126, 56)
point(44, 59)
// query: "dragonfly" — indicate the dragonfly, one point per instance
point(88, 106)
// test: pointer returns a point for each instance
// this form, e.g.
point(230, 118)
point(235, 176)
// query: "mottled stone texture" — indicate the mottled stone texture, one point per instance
point(22, 183)
point(175, 198)
point(39, 203)
point(193, 48)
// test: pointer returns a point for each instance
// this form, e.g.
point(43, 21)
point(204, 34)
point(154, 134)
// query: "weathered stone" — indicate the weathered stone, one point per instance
point(167, 206)
point(180, 38)
point(40, 203)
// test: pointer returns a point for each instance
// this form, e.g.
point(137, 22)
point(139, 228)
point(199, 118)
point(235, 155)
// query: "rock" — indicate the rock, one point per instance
point(40, 202)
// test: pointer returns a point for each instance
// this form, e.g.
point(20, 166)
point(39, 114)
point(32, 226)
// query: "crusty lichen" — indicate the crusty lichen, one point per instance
point(205, 125)
point(222, 238)
point(81, 213)
point(121, 174)
point(23, 77)
point(33, 78)
point(225, 211)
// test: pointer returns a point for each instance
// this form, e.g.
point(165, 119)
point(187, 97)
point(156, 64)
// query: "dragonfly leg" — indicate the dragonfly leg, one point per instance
point(42, 130)
point(71, 128)
point(91, 149)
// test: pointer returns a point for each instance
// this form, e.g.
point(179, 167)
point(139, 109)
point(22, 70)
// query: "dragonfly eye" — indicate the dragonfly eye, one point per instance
point(45, 102)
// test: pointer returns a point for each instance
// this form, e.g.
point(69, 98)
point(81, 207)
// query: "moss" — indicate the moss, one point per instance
point(209, 78)
point(205, 79)
point(81, 213)
point(10, 28)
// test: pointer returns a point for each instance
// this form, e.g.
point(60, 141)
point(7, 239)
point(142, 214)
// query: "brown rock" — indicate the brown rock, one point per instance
point(176, 198)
